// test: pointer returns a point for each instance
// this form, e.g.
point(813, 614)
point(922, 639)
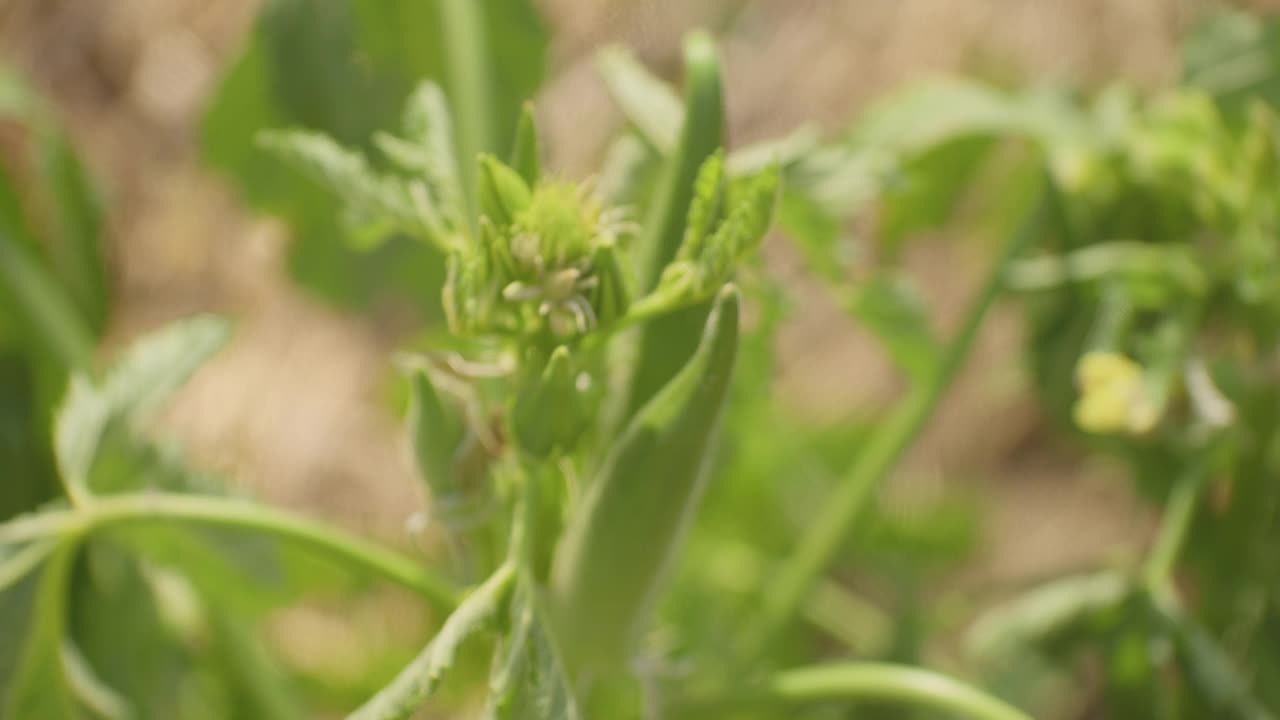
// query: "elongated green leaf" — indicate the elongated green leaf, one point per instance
point(45, 309)
point(668, 342)
point(76, 221)
point(1048, 611)
point(40, 688)
point(647, 102)
point(148, 373)
point(419, 680)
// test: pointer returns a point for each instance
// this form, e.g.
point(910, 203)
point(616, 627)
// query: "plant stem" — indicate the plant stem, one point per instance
point(238, 514)
point(875, 682)
point(1174, 527)
point(470, 85)
point(819, 546)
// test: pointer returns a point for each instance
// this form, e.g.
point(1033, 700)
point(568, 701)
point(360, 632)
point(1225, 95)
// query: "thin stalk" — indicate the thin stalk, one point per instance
point(471, 86)
point(820, 545)
point(873, 682)
point(1174, 528)
point(164, 507)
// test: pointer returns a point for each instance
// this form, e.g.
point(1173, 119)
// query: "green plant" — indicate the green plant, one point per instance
point(513, 432)
point(635, 524)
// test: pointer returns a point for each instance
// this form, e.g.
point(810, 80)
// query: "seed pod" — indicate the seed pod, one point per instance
point(612, 562)
point(549, 414)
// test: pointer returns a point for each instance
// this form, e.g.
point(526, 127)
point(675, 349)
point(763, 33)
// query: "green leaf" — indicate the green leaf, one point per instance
point(75, 216)
point(634, 513)
point(1046, 613)
point(42, 305)
point(892, 308)
point(647, 102)
point(503, 194)
point(529, 683)
point(345, 68)
point(377, 206)
point(666, 343)
point(420, 678)
point(17, 563)
point(40, 688)
point(525, 156)
point(1234, 56)
point(89, 689)
point(152, 369)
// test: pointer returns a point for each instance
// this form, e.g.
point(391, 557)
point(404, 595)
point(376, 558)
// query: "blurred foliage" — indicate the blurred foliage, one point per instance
point(345, 68)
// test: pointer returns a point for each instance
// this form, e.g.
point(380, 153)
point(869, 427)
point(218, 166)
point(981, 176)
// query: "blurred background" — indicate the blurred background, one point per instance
point(299, 410)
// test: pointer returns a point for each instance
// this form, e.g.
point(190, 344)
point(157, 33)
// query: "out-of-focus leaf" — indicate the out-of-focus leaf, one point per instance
point(75, 217)
point(377, 206)
point(42, 305)
point(648, 103)
point(17, 562)
point(1235, 56)
point(1213, 673)
point(345, 68)
point(89, 689)
point(152, 369)
point(39, 688)
point(926, 187)
point(1045, 613)
point(892, 308)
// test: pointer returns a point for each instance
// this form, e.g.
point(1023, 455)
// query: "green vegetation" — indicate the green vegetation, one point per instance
point(637, 526)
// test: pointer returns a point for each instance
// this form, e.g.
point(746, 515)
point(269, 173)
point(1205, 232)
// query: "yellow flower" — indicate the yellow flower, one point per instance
point(1113, 395)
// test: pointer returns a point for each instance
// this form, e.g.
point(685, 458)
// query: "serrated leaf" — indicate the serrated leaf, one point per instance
point(420, 678)
point(528, 681)
point(152, 369)
point(376, 205)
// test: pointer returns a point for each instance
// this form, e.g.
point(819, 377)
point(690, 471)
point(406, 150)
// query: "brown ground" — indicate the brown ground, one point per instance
point(293, 411)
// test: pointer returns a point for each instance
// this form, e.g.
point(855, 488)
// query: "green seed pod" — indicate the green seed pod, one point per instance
point(549, 414)
point(503, 193)
point(611, 564)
